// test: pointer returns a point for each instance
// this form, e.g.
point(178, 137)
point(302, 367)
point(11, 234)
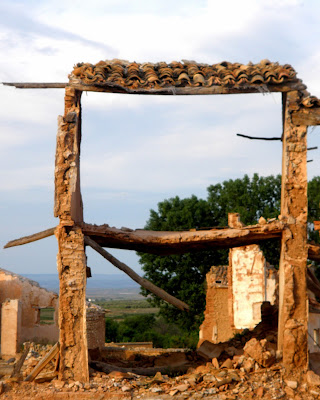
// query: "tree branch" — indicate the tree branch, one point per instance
point(258, 138)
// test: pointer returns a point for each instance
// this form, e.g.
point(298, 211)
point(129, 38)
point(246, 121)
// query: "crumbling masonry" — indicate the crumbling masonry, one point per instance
point(300, 110)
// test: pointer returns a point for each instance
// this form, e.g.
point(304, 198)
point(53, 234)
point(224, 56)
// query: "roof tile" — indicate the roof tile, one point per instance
point(186, 73)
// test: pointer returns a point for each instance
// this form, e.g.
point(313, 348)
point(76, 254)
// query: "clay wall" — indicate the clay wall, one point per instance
point(10, 327)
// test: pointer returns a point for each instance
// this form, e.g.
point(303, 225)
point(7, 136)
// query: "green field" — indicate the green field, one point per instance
point(120, 309)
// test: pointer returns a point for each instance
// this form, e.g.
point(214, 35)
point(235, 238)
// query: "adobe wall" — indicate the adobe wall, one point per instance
point(235, 294)
point(248, 285)
point(96, 327)
point(32, 297)
point(216, 326)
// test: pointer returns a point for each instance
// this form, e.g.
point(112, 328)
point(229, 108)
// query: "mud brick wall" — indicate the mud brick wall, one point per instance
point(216, 326)
point(96, 327)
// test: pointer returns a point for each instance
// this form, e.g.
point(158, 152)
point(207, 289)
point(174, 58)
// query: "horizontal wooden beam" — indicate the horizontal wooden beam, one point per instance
point(133, 275)
point(30, 238)
point(36, 85)
point(164, 243)
point(307, 116)
point(187, 90)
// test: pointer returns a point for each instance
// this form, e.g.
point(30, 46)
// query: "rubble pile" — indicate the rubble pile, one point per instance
point(254, 371)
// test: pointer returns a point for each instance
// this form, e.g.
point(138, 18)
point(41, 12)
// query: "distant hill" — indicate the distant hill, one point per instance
point(100, 285)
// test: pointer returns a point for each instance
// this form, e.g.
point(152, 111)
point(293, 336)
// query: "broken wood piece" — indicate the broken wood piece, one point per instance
point(6, 369)
point(313, 252)
point(307, 116)
point(30, 238)
point(19, 363)
point(36, 85)
point(43, 362)
point(46, 377)
point(148, 371)
point(133, 275)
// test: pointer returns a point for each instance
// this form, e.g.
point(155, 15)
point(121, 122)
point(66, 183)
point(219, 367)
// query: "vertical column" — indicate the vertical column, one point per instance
point(10, 327)
point(71, 258)
point(293, 311)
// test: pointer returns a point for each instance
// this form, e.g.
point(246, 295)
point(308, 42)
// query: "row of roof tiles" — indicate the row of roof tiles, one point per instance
point(180, 74)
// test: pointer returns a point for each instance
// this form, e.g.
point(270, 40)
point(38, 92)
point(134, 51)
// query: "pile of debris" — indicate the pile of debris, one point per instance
point(224, 371)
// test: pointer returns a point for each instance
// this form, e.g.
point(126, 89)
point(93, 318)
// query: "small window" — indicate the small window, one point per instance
point(47, 316)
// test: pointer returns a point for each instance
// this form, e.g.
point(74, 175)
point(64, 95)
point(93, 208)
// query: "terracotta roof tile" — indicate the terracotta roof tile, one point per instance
point(182, 74)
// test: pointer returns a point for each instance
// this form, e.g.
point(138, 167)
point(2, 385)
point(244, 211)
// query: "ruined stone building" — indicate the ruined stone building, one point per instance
point(22, 301)
point(235, 294)
point(299, 111)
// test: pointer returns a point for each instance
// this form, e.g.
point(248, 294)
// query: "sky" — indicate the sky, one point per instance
point(138, 150)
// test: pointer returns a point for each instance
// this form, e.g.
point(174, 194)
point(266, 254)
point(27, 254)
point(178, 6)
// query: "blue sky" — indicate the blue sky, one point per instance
point(136, 150)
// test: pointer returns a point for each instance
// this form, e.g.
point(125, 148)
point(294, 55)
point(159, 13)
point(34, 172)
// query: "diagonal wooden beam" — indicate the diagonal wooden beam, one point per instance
point(133, 275)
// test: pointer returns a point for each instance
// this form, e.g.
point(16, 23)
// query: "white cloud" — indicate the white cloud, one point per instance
point(158, 145)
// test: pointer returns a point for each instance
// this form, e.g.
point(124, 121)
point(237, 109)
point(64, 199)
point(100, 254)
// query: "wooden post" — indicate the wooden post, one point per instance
point(71, 257)
point(293, 307)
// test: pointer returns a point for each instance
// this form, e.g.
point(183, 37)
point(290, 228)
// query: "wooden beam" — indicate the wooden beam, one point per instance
point(30, 238)
point(19, 363)
point(43, 362)
point(133, 275)
point(144, 371)
point(111, 87)
point(163, 243)
point(36, 85)
point(307, 116)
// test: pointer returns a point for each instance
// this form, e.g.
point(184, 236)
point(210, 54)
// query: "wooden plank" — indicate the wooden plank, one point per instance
point(43, 362)
point(110, 87)
point(161, 242)
point(6, 370)
point(307, 116)
point(133, 275)
point(36, 85)
point(30, 238)
point(148, 371)
point(19, 363)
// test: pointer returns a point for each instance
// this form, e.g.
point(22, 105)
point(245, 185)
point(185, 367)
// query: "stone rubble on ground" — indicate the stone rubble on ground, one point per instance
point(229, 376)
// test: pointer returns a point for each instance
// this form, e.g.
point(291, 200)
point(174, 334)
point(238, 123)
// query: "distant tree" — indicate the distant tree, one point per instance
point(183, 276)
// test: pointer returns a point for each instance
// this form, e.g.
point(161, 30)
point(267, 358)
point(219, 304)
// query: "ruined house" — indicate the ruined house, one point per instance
point(235, 294)
point(23, 305)
point(23, 301)
point(299, 110)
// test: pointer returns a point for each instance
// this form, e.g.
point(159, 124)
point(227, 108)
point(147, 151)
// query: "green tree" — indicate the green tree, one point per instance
point(183, 276)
